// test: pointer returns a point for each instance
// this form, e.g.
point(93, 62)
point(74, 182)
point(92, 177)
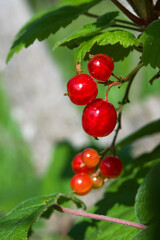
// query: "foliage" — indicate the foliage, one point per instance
point(134, 196)
point(17, 224)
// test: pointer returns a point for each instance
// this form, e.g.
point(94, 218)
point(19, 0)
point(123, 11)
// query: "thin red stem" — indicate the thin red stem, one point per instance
point(99, 217)
point(108, 88)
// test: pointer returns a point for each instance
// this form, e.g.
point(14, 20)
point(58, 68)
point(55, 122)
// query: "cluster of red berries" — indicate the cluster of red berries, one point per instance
point(86, 176)
point(99, 116)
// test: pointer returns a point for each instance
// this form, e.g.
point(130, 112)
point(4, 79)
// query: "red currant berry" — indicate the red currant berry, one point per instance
point(99, 118)
point(90, 157)
point(101, 67)
point(97, 181)
point(111, 167)
point(81, 183)
point(78, 165)
point(82, 89)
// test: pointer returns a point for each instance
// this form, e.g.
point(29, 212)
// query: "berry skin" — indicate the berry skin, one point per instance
point(78, 165)
point(82, 89)
point(111, 167)
point(97, 181)
point(90, 157)
point(101, 67)
point(99, 118)
point(81, 183)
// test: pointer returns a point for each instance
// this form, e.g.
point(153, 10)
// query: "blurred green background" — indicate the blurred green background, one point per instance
point(18, 177)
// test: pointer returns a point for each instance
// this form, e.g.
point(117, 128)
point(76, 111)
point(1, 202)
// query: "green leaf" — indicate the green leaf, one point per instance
point(43, 24)
point(17, 223)
point(148, 198)
point(88, 31)
point(146, 234)
point(150, 39)
point(149, 129)
point(151, 232)
point(124, 40)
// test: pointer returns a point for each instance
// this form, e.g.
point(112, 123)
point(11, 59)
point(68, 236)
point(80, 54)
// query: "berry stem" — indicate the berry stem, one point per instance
point(130, 77)
point(111, 85)
point(118, 78)
point(99, 217)
point(78, 68)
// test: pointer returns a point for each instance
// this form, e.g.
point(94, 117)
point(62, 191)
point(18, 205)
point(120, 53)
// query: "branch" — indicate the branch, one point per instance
point(99, 217)
point(133, 72)
point(131, 3)
point(130, 77)
point(125, 22)
point(156, 76)
point(131, 16)
point(128, 27)
point(157, 6)
point(91, 15)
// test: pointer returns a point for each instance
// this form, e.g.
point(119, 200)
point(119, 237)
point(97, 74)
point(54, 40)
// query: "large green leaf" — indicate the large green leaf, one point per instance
point(88, 31)
point(118, 201)
point(17, 223)
point(150, 233)
point(151, 41)
point(148, 197)
point(149, 129)
point(43, 24)
point(119, 39)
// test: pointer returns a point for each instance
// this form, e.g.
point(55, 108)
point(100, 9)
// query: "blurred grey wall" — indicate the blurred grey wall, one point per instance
point(36, 88)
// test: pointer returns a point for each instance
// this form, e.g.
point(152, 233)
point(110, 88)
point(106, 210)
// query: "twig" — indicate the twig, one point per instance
point(91, 15)
point(156, 76)
point(99, 217)
point(125, 22)
point(130, 77)
point(131, 16)
point(133, 72)
point(128, 27)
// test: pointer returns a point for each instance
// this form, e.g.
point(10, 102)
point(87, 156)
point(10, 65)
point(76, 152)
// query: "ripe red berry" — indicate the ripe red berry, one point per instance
point(99, 118)
point(78, 165)
point(101, 66)
point(82, 89)
point(90, 157)
point(81, 183)
point(97, 181)
point(111, 167)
